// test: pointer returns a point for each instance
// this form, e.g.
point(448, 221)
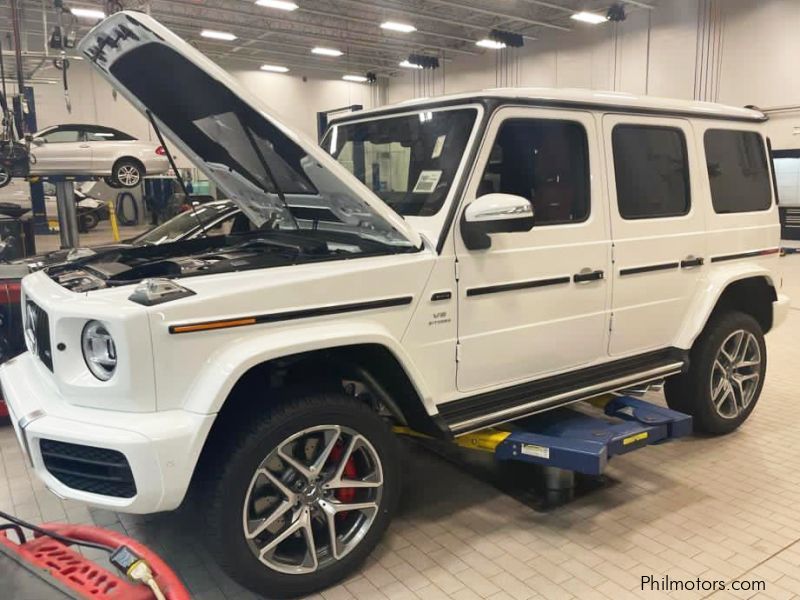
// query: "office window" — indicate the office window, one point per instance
point(545, 161)
point(652, 171)
point(737, 171)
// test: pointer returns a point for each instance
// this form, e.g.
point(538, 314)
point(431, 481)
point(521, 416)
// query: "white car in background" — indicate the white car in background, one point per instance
point(96, 151)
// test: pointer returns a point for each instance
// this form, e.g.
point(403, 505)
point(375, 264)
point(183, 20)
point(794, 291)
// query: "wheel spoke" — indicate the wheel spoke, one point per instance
point(312, 561)
point(295, 464)
point(270, 520)
point(339, 507)
point(351, 483)
point(330, 520)
point(319, 464)
point(719, 389)
point(276, 541)
point(277, 483)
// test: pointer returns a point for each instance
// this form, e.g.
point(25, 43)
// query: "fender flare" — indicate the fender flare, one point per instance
point(708, 294)
point(227, 365)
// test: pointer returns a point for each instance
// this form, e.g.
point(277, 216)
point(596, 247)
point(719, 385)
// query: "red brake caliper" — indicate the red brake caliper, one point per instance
point(345, 495)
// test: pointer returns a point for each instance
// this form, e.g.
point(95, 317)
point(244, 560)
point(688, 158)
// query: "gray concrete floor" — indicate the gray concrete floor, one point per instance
point(715, 508)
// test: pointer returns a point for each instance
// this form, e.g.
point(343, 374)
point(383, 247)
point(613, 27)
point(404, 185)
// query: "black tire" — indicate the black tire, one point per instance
point(88, 221)
point(228, 474)
point(691, 392)
point(5, 177)
point(112, 183)
point(127, 173)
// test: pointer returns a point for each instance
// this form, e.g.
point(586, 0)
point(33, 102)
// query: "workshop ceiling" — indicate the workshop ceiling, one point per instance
point(445, 29)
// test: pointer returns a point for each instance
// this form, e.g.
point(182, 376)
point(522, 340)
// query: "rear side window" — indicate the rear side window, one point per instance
point(652, 171)
point(737, 170)
point(545, 161)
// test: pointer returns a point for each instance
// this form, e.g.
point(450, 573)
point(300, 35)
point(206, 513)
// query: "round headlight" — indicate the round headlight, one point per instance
point(99, 350)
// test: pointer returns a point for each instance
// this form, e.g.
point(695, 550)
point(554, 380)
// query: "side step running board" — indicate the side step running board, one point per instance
point(496, 407)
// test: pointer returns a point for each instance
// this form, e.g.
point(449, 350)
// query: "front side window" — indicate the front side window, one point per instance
point(409, 161)
point(545, 161)
point(737, 171)
point(651, 168)
point(61, 135)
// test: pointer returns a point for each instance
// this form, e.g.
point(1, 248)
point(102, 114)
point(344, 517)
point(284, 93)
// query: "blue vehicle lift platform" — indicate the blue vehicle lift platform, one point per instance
point(579, 438)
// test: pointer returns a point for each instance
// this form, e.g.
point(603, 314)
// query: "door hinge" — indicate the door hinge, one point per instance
point(611, 322)
point(458, 352)
point(457, 272)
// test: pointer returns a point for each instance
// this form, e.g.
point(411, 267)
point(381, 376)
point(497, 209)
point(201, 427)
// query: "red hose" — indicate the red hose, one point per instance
point(92, 580)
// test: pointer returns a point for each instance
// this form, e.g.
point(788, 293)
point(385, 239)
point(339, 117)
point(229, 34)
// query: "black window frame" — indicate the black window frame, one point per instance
point(687, 168)
point(766, 154)
point(119, 136)
point(587, 171)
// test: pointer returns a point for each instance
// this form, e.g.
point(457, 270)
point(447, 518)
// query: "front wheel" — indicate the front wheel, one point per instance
point(726, 374)
point(303, 495)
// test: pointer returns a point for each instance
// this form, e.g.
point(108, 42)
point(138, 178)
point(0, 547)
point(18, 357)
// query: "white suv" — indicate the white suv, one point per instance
point(446, 265)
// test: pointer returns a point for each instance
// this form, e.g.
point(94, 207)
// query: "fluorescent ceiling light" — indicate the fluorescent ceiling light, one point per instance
point(491, 44)
point(326, 51)
point(279, 4)
point(355, 78)
point(401, 27)
point(88, 13)
point(218, 35)
point(589, 17)
point(409, 65)
point(274, 69)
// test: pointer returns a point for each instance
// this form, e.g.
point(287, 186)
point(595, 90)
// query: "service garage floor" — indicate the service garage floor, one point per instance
point(725, 508)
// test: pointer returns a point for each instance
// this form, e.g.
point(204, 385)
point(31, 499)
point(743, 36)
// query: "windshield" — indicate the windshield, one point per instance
point(184, 223)
point(409, 161)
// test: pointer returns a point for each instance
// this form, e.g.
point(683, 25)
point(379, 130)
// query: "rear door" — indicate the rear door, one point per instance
point(658, 228)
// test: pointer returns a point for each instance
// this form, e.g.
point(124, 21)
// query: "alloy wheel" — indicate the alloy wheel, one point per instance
point(4, 176)
point(128, 175)
point(735, 374)
point(313, 499)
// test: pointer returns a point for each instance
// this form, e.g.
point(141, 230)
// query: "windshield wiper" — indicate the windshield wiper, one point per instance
point(178, 175)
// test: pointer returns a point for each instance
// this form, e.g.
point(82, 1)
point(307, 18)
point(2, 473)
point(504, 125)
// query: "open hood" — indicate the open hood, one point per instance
point(270, 171)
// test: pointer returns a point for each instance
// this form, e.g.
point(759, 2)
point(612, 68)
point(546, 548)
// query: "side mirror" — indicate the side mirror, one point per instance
point(38, 141)
point(495, 213)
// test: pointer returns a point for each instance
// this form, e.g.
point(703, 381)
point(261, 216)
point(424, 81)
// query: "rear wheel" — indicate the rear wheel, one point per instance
point(127, 172)
point(726, 374)
point(303, 496)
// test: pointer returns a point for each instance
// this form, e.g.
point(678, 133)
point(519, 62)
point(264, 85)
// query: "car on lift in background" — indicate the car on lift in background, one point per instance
point(118, 157)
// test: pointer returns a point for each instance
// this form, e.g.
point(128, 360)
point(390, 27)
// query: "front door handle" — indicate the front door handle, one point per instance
point(84, 146)
point(690, 262)
point(586, 276)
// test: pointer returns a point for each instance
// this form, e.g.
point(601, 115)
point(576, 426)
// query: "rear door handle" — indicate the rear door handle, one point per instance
point(691, 262)
point(586, 276)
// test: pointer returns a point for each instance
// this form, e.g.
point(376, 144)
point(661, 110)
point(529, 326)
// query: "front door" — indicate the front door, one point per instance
point(63, 150)
point(536, 303)
point(658, 226)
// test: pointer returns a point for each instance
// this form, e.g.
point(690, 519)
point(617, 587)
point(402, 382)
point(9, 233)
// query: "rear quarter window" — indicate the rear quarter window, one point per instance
point(737, 171)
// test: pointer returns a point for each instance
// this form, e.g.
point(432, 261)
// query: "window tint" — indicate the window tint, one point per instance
point(103, 134)
point(545, 161)
point(737, 170)
point(61, 135)
point(651, 170)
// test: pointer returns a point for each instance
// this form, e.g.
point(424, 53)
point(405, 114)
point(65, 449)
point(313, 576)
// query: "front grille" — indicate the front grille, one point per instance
point(89, 469)
point(37, 329)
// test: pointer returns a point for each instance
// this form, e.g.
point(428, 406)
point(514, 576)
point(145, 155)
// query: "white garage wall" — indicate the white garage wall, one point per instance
point(758, 40)
point(294, 100)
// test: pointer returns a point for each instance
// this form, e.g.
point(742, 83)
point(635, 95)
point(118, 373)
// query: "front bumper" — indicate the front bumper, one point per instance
point(161, 448)
point(780, 309)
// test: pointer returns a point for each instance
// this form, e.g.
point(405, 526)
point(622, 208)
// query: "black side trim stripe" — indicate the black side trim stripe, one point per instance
point(649, 268)
point(522, 285)
point(441, 296)
point(725, 257)
point(291, 315)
